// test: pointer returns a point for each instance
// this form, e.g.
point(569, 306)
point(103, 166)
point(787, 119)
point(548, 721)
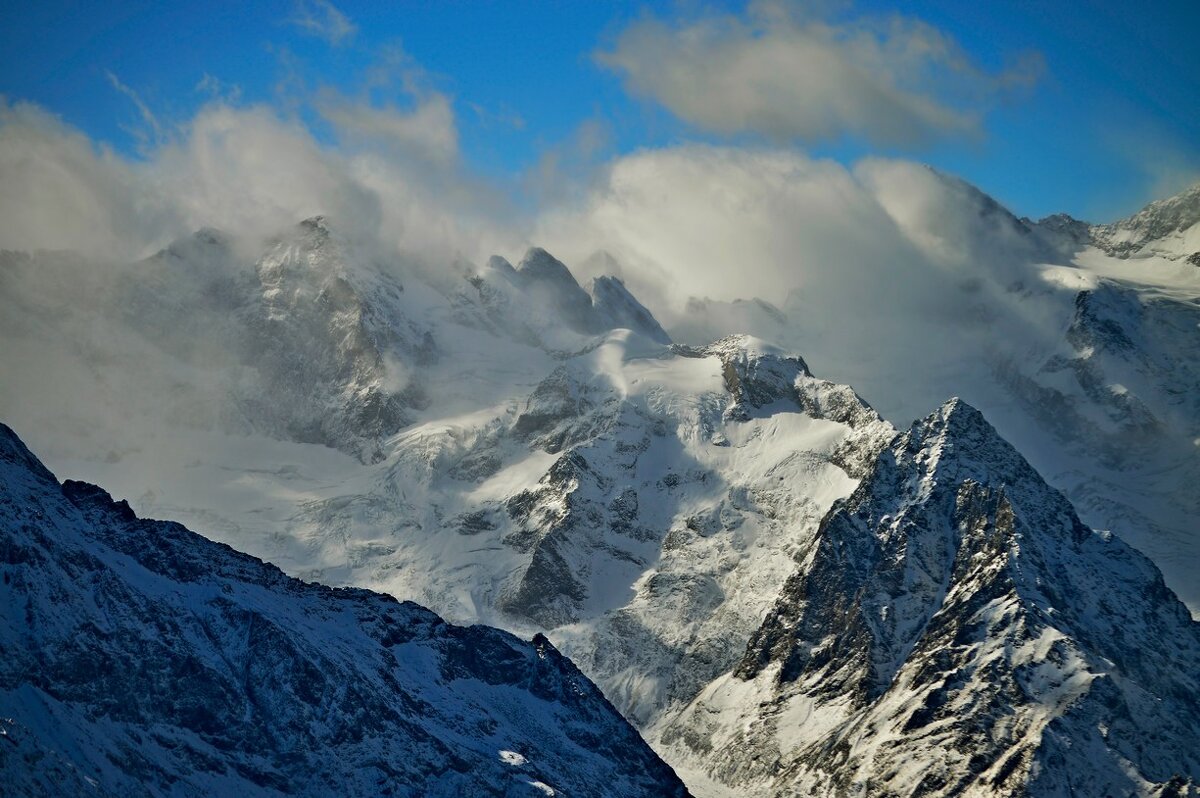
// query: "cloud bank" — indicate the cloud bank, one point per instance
point(792, 74)
point(894, 277)
point(390, 176)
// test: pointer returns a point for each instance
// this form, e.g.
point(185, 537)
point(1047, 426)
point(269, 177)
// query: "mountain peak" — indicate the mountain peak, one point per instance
point(317, 223)
point(501, 264)
point(1165, 227)
point(957, 440)
point(549, 281)
point(954, 599)
point(538, 264)
point(618, 308)
point(14, 452)
point(957, 419)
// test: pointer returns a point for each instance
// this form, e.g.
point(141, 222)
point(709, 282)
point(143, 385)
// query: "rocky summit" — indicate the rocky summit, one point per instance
point(955, 630)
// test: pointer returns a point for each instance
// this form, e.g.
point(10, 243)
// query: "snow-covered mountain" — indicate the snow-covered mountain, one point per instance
point(954, 629)
point(504, 446)
point(1085, 361)
point(1168, 228)
point(143, 659)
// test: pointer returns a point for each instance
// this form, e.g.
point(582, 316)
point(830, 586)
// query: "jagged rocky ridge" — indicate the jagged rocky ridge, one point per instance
point(539, 302)
point(1168, 228)
point(142, 659)
point(665, 496)
point(318, 342)
point(1085, 361)
point(955, 630)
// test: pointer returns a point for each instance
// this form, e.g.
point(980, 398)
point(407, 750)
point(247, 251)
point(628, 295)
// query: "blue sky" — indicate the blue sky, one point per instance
point(1091, 108)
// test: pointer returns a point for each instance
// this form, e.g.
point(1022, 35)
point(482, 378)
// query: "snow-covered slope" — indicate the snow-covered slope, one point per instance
point(142, 659)
point(1117, 400)
point(642, 504)
point(954, 629)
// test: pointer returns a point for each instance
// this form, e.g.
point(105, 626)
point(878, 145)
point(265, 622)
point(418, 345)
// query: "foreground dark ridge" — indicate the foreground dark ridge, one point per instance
point(140, 658)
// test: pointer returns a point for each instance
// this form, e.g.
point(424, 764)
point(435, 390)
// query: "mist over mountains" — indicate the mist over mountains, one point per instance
point(710, 505)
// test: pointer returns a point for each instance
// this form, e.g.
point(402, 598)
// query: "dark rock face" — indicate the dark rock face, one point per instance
point(142, 659)
point(1071, 229)
point(321, 346)
point(583, 514)
point(554, 520)
point(555, 400)
point(1133, 359)
point(755, 382)
point(977, 638)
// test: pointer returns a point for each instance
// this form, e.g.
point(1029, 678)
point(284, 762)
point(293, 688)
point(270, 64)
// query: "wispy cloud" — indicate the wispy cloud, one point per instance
point(398, 107)
point(791, 74)
point(218, 89)
point(1164, 164)
point(322, 18)
point(562, 169)
point(152, 131)
point(428, 128)
point(503, 117)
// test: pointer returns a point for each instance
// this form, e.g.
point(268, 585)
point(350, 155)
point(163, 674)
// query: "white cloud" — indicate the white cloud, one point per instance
point(62, 192)
point(428, 128)
point(250, 171)
point(398, 109)
point(793, 76)
point(148, 118)
point(893, 275)
point(727, 222)
point(322, 18)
